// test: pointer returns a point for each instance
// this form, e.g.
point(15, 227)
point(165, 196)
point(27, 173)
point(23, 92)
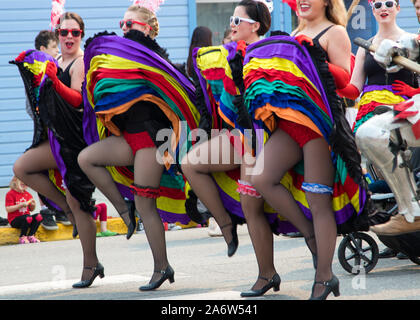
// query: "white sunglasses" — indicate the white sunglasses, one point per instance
point(237, 20)
point(378, 4)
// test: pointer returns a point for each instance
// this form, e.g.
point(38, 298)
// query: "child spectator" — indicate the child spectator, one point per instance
point(102, 213)
point(19, 204)
point(47, 41)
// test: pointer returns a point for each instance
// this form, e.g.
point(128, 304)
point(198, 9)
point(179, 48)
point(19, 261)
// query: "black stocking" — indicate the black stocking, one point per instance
point(112, 151)
point(86, 227)
point(319, 169)
point(259, 231)
point(198, 175)
point(29, 168)
point(148, 173)
point(281, 153)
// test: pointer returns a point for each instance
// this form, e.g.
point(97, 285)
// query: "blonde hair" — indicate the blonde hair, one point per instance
point(13, 183)
point(335, 12)
point(148, 17)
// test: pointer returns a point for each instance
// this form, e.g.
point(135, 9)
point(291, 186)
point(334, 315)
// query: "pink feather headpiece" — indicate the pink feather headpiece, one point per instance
point(152, 5)
point(57, 9)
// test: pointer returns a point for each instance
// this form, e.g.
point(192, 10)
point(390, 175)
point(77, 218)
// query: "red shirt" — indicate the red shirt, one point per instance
point(13, 198)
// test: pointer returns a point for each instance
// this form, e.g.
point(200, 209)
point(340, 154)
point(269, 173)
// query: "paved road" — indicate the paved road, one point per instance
point(45, 271)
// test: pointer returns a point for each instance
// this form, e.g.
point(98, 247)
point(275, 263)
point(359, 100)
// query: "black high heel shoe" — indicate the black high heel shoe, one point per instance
point(97, 271)
point(75, 232)
point(131, 228)
point(166, 274)
point(332, 285)
point(274, 283)
point(314, 256)
point(233, 245)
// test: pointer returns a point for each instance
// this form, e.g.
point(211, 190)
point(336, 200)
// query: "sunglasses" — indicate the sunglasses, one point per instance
point(236, 21)
point(65, 32)
point(378, 4)
point(129, 23)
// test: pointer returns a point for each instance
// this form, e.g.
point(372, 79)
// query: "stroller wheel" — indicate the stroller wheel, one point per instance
point(358, 251)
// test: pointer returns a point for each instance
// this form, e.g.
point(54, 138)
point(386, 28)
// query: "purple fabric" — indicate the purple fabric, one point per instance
point(381, 87)
point(235, 208)
point(38, 56)
point(133, 51)
point(90, 128)
point(341, 216)
point(55, 149)
point(231, 48)
point(290, 52)
point(33, 55)
point(171, 217)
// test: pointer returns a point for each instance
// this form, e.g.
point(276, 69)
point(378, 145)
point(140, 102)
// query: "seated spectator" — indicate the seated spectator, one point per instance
point(19, 204)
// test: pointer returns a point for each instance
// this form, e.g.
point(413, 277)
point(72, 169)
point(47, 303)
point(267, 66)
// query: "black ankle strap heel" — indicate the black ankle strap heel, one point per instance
point(332, 285)
point(167, 274)
point(98, 270)
point(274, 283)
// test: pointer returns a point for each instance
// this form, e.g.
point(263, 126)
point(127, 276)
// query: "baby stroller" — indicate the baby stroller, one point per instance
point(359, 251)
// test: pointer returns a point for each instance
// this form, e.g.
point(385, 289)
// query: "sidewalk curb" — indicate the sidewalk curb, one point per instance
point(9, 235)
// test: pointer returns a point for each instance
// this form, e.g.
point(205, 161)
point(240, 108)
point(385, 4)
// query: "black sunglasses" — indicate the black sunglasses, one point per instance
point(74, 32)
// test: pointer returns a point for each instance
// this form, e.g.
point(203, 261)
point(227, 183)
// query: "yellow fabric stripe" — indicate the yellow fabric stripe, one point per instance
point(277, 64)
point(382, 96)
point(213, 60)
point(37, 67)
point(114, 62)
point(171, 205)
point(51, 175)
point(338, 202)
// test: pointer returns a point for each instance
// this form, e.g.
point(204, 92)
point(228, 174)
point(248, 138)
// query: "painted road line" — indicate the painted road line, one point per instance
point(67, 284)
point(214, 295)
